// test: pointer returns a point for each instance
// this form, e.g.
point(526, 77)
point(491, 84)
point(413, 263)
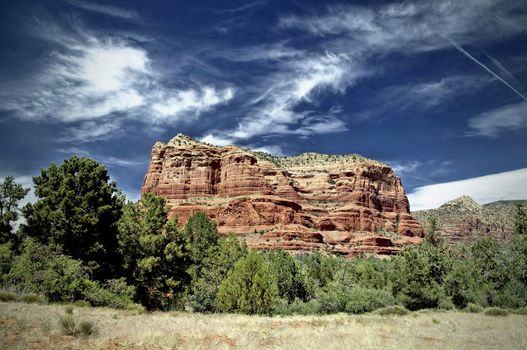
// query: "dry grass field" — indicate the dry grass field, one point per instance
point(32, 326)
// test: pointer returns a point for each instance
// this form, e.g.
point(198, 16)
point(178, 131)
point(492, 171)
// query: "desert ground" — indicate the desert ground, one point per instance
point(33, 326)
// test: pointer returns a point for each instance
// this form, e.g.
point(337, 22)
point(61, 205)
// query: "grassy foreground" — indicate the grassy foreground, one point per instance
point(33, 326)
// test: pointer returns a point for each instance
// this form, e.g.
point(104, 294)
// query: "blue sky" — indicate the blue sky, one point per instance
point(436, 89)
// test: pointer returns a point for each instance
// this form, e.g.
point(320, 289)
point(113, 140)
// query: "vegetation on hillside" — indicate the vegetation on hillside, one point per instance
point(81, 241)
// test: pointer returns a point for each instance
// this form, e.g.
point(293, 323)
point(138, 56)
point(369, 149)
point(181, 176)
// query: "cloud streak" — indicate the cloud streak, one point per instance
point(93, 82)
point(484, 189)
point(464, 52)
point(104, 9)
point(492, 123)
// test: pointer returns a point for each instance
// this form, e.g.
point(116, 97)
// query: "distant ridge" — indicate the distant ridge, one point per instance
point(463, 219)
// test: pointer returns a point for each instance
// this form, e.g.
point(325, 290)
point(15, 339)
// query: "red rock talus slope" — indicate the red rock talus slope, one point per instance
point(341, 204)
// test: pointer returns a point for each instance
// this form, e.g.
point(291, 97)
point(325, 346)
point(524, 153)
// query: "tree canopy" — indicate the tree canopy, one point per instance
point(77, 209)
point(10, 194)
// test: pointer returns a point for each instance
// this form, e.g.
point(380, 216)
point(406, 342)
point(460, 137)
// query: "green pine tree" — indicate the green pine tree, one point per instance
point(77, 211)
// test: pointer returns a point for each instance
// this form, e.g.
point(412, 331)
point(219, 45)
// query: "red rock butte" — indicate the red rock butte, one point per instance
point(340, 204)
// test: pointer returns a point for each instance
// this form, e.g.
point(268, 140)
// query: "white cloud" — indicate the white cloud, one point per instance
point(109, 161)
point(274, 111)
point(483, 189)
point(216, 140)
point(105, 9)
point(88, 79)
point(185, 103)
point(91, 131)
point(275, 150)
point(492, 123)
point(417, 26)
point(420, 170)
point(426, 95)
point(99, 81)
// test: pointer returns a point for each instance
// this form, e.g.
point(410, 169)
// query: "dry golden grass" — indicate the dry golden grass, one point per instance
point(30, 326)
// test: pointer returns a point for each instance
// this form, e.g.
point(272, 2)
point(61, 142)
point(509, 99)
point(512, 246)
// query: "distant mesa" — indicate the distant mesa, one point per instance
point(462, 219)
point(342, 204)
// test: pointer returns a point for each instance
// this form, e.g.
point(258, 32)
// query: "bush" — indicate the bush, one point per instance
point(393, 310)
point(249, 288)
point(474, 308)
point(211, 271)
point(7, 296)
point(446, 304)
point(520, 311)
point(68, 310)
point(496, 311)
point(43, 270)
point(115, 293)
point(68, 325)
point(82, 303)
point(290, 280)
point(419, 275)
point(298, 307)
point(87, 328)
point(32, 298)
point(361, 300)
point(136, 307)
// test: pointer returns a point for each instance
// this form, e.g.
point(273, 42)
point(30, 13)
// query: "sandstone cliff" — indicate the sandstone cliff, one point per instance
point(340, 204)
point(462, 219)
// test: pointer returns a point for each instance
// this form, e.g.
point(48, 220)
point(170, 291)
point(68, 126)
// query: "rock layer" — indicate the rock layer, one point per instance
point(341, 204)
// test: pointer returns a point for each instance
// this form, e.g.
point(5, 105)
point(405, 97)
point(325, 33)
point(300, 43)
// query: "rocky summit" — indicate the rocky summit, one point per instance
point(462, 219)
point(342, 204)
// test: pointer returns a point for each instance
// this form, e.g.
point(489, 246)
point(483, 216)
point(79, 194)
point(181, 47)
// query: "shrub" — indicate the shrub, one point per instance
point(496, 311)
point(68, 324)
point(42, 269)
point(393, 310)
point(82, 303)
point(474, 308)
point(32, 298)
point(135, 307)
point(7, 296)
point(418, 277)
point(520, 311)
point(68, 310)
point(290, 280)
point(114, 293)
point(446, 304)
point(297, 307)
point(361, 300)
point(87, 328)
point(249, 288)
point(211, 271)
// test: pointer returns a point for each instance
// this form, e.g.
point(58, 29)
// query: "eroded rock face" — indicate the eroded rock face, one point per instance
point(341, 204)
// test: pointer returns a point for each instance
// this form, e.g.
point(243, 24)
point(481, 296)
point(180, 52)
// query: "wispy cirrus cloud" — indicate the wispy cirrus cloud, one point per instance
point(93, 81)
point(496, 121)
point(189, 103)
point(275, 111)
point(415, 26)
point(104, 9)
point(109, 161)
point(425, 95)
point(421, 171)
point(483, 189)
point(412, 28)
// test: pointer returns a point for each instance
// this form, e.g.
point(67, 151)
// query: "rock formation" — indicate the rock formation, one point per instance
point(462, 219)
point(344, 204)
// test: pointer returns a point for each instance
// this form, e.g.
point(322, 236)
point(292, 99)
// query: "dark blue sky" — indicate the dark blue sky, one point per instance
point(435, 89)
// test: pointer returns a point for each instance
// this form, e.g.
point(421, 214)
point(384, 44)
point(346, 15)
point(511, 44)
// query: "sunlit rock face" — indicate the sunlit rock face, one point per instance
point(342, 204)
